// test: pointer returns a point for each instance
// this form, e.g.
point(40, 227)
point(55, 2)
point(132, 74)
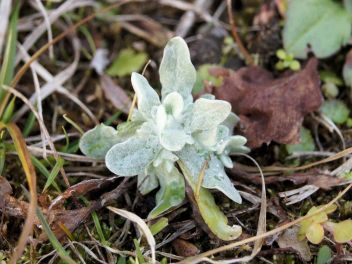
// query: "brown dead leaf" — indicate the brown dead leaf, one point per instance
point(5, 187)
point(148, 29)
point(115, 94)
point(289, 239)
point(184, 248)
point(270, 109)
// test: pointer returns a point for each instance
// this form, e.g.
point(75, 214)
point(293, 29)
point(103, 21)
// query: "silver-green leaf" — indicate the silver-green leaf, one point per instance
point(133, 156)
point(96, 142)
point(146, 95)
point(208, 114)
point(171, 193)
point(177, 73)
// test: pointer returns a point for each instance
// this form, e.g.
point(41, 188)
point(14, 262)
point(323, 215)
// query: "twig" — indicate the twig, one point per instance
point(237, 38)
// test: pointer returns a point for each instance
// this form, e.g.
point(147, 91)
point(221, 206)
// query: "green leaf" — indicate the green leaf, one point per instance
point(343, 231)
point(177, 73)
point(171, 193)
point(208, 114)
point(96, 142)
point(324, 255)
point(215, 220)
point(336, 110)
point(323, 24)
point(146, 95)
point(132, 157)
point(127, 61)
point(203, 76)
point(306, 142)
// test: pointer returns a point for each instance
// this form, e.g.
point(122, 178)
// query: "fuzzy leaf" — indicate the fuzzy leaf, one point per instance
point(177, 73)
point(96, 142)
point(147, 183)
point(173, 139)
point(173, 104)
point(234, 144)
point(208, 137)
point(131, 157)
point(146, 95)
point(215, 176)
point(323, 24)
point(208, 114)
point(205, 205)
point(343, 231)
point(231, 121)
point(171, 193)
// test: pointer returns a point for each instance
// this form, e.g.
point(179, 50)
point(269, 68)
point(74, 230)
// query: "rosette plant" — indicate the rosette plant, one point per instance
point(173, 142)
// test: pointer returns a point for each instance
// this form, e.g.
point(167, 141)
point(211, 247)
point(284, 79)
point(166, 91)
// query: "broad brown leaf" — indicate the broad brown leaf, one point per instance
point(270, 109)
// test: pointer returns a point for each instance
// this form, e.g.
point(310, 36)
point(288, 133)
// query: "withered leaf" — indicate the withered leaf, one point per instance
point(270, 109)
point(184, 248)
point(115, 94)
point(289, 239)
point(81, 188)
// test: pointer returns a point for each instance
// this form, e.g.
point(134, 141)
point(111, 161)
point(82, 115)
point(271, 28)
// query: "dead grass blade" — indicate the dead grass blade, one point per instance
point(272, 169)
point(142, 225)
point(5, 10)
point(29, 170)
point(42, 128)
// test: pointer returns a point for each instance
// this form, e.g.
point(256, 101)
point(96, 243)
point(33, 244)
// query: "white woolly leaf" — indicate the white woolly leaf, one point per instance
point(132, 157)
point(208, 114)
point(97, 141)
point(173, 104)
point(146, 95)
point(215, 176)
point(177, 73)
point(147, 183)
point(171, 193)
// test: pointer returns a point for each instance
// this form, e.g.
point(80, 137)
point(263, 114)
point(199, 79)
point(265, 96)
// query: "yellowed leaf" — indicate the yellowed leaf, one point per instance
point(343, 231)
point(315, 233)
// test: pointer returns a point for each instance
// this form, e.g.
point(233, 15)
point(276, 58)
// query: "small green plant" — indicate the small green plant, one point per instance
point(286, 61)
point(321, 26)
point(195, 135)
point(313, 228)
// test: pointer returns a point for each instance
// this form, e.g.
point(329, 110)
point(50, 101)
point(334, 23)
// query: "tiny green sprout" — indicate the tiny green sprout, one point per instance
point(286, 61)
point(165, 131)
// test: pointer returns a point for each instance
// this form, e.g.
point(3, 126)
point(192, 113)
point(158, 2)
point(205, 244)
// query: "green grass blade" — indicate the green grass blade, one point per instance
point(98, 227)
point(54, 173)
point(53, 240)
point(43, 170)
point(139, 254)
